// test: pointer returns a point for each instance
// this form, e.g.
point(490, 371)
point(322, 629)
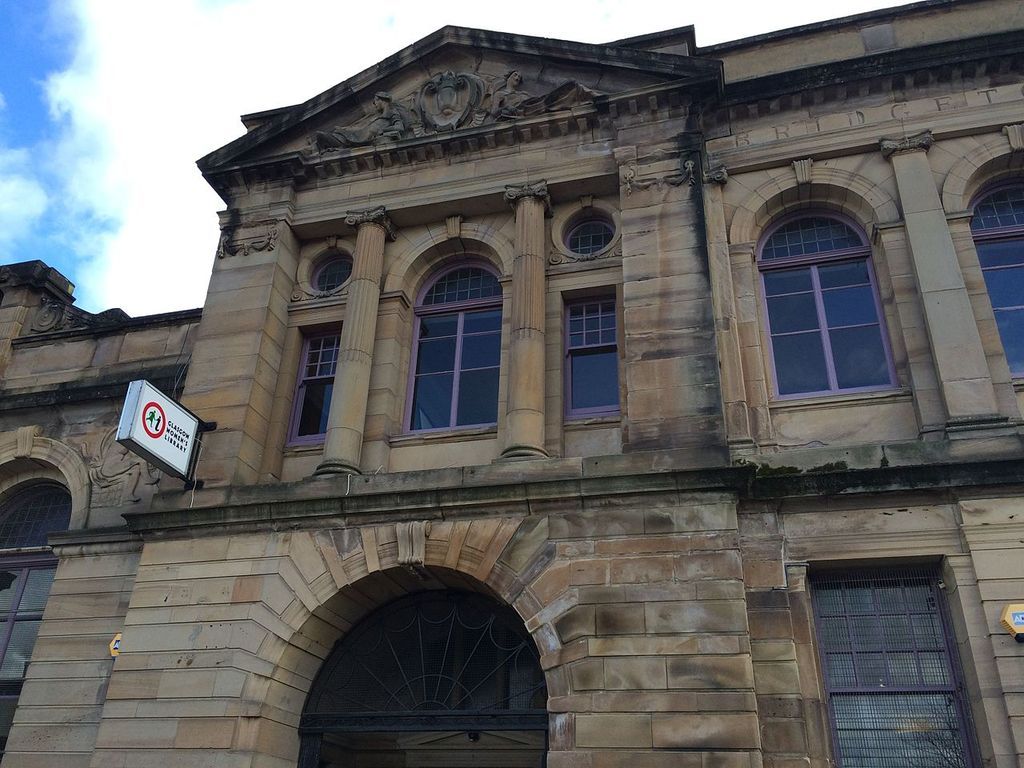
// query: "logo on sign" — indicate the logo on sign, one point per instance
point(154, 421)
point(1017, 617)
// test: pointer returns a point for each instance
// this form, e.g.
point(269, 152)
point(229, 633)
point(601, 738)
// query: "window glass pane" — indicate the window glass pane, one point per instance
point(590, 236)
point(10, 580)
point(334, 272)
point(809, 235)
point(436, 355)
point(849, 273)
point(7, 707)
point(1003, 208)
point(860, 359)
point(1011, 331)
point(438, 326)
point(463, 284)
point(792, 313)
point(432, 401)
point(481, 351)
point(595, 378)
point(31, 514)
point(478, 397)
point(19, 650)
point(800, 363)
point(850, 306)
point(787, 281)
point(1005, 286)
point(316, 404)
point(37, 588)
point(488, 320)
point(1001, 253)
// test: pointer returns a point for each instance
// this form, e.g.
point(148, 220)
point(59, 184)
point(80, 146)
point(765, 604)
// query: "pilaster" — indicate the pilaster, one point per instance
point(964, 378)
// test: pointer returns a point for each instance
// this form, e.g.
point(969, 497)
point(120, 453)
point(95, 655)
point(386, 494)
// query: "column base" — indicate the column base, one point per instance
point(985, 426)
point(334, 467)
point(523, 452)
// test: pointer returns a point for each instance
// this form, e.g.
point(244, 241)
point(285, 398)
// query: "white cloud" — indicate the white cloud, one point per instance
point(154, 86)
point(22, 202)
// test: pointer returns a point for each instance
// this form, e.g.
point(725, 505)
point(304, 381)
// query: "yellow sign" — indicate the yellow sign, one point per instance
point(115, 645)
point(1013, 619)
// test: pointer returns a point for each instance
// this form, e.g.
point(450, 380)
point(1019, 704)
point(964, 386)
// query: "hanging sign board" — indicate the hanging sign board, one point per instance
point(159, 430)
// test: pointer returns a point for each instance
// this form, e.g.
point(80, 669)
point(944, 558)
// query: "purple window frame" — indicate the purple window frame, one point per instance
point(460, 308)
point(294, 438)
point(953, 689)
point(813, 261)
point(997, 235)
point(571, 411)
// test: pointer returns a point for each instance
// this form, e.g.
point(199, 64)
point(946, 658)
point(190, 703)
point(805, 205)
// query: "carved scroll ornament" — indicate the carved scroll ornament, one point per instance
point(917, 142)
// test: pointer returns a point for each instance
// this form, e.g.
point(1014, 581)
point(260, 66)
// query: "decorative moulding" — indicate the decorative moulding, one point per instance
point(918, 142)
point(1015, 135)
point(231, 243)
point(802, 169)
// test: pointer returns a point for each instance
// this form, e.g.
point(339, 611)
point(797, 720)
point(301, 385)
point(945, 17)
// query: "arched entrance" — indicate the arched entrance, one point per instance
point(433, 679)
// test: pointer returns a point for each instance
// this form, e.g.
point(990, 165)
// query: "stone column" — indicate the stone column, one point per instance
point(344, 441)
point(525, 412)
point(964, 378)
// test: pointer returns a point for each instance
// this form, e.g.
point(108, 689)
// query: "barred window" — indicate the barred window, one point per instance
point(891, 672)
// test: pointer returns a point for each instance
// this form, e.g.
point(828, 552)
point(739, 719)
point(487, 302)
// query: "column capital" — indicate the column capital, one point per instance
point(378, 216)
point(919, 142)
point(538, 189)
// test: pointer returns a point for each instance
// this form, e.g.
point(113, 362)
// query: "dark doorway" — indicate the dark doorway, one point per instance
point(433, 679)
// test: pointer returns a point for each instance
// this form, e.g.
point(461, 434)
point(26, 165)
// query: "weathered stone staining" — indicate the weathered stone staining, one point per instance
point(806, 316)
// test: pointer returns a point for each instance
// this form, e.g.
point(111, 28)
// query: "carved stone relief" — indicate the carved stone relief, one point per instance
point(116, 473)
point(231, 243)
point(915, 143)
point(412, 545)
point(56, 315)
point(449, 101)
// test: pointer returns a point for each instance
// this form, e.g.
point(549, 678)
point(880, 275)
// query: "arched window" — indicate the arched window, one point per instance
point(429, 675)
point(458, 349)
point(998, 227)
point(825, 325)
point(27, 515)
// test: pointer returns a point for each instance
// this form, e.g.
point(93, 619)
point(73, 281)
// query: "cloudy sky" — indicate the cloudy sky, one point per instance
point(105, 105)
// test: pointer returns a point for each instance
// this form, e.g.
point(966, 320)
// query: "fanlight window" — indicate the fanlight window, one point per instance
point(30, 514)
point(453, 661)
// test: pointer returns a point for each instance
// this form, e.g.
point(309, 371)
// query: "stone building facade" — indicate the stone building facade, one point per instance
point(581, 405)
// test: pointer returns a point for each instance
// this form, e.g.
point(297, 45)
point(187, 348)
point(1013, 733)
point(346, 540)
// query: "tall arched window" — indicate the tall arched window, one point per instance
point(27, 515)
point(998, 227)
point(458, 349)
point(824, 318)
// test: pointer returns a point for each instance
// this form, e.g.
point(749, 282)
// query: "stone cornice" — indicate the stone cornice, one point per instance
point(552, 486)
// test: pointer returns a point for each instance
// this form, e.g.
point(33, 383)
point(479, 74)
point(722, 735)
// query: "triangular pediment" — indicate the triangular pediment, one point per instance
point(456, 80)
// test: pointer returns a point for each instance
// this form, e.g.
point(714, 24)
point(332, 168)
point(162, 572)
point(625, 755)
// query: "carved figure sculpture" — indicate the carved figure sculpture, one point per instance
point(392, 122)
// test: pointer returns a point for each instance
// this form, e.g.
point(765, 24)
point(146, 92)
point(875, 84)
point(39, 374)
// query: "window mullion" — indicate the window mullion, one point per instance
point(826, 343)
point(453, 412)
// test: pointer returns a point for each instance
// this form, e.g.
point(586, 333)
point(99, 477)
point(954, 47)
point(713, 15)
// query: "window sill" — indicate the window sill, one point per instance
point(450, 435)
point(303, 449)
point(587, 422)
point(840, 400)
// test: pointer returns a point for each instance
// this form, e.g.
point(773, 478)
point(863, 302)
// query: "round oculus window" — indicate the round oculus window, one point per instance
point(589, 236)
point(333, 273)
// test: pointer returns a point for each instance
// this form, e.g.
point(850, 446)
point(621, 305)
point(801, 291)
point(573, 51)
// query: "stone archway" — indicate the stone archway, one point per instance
point(438, 677)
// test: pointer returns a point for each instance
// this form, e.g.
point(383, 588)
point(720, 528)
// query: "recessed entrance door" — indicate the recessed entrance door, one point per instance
point(444, 679)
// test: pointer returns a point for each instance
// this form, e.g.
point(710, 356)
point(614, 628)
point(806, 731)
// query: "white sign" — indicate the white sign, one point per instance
point(158, 429)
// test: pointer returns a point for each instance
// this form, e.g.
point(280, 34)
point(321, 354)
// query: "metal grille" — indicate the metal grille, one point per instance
point(1003, 208)
point(808, 236)
point(463, 284)
point(890, 670)
point(27, 516)
point(430, 660)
